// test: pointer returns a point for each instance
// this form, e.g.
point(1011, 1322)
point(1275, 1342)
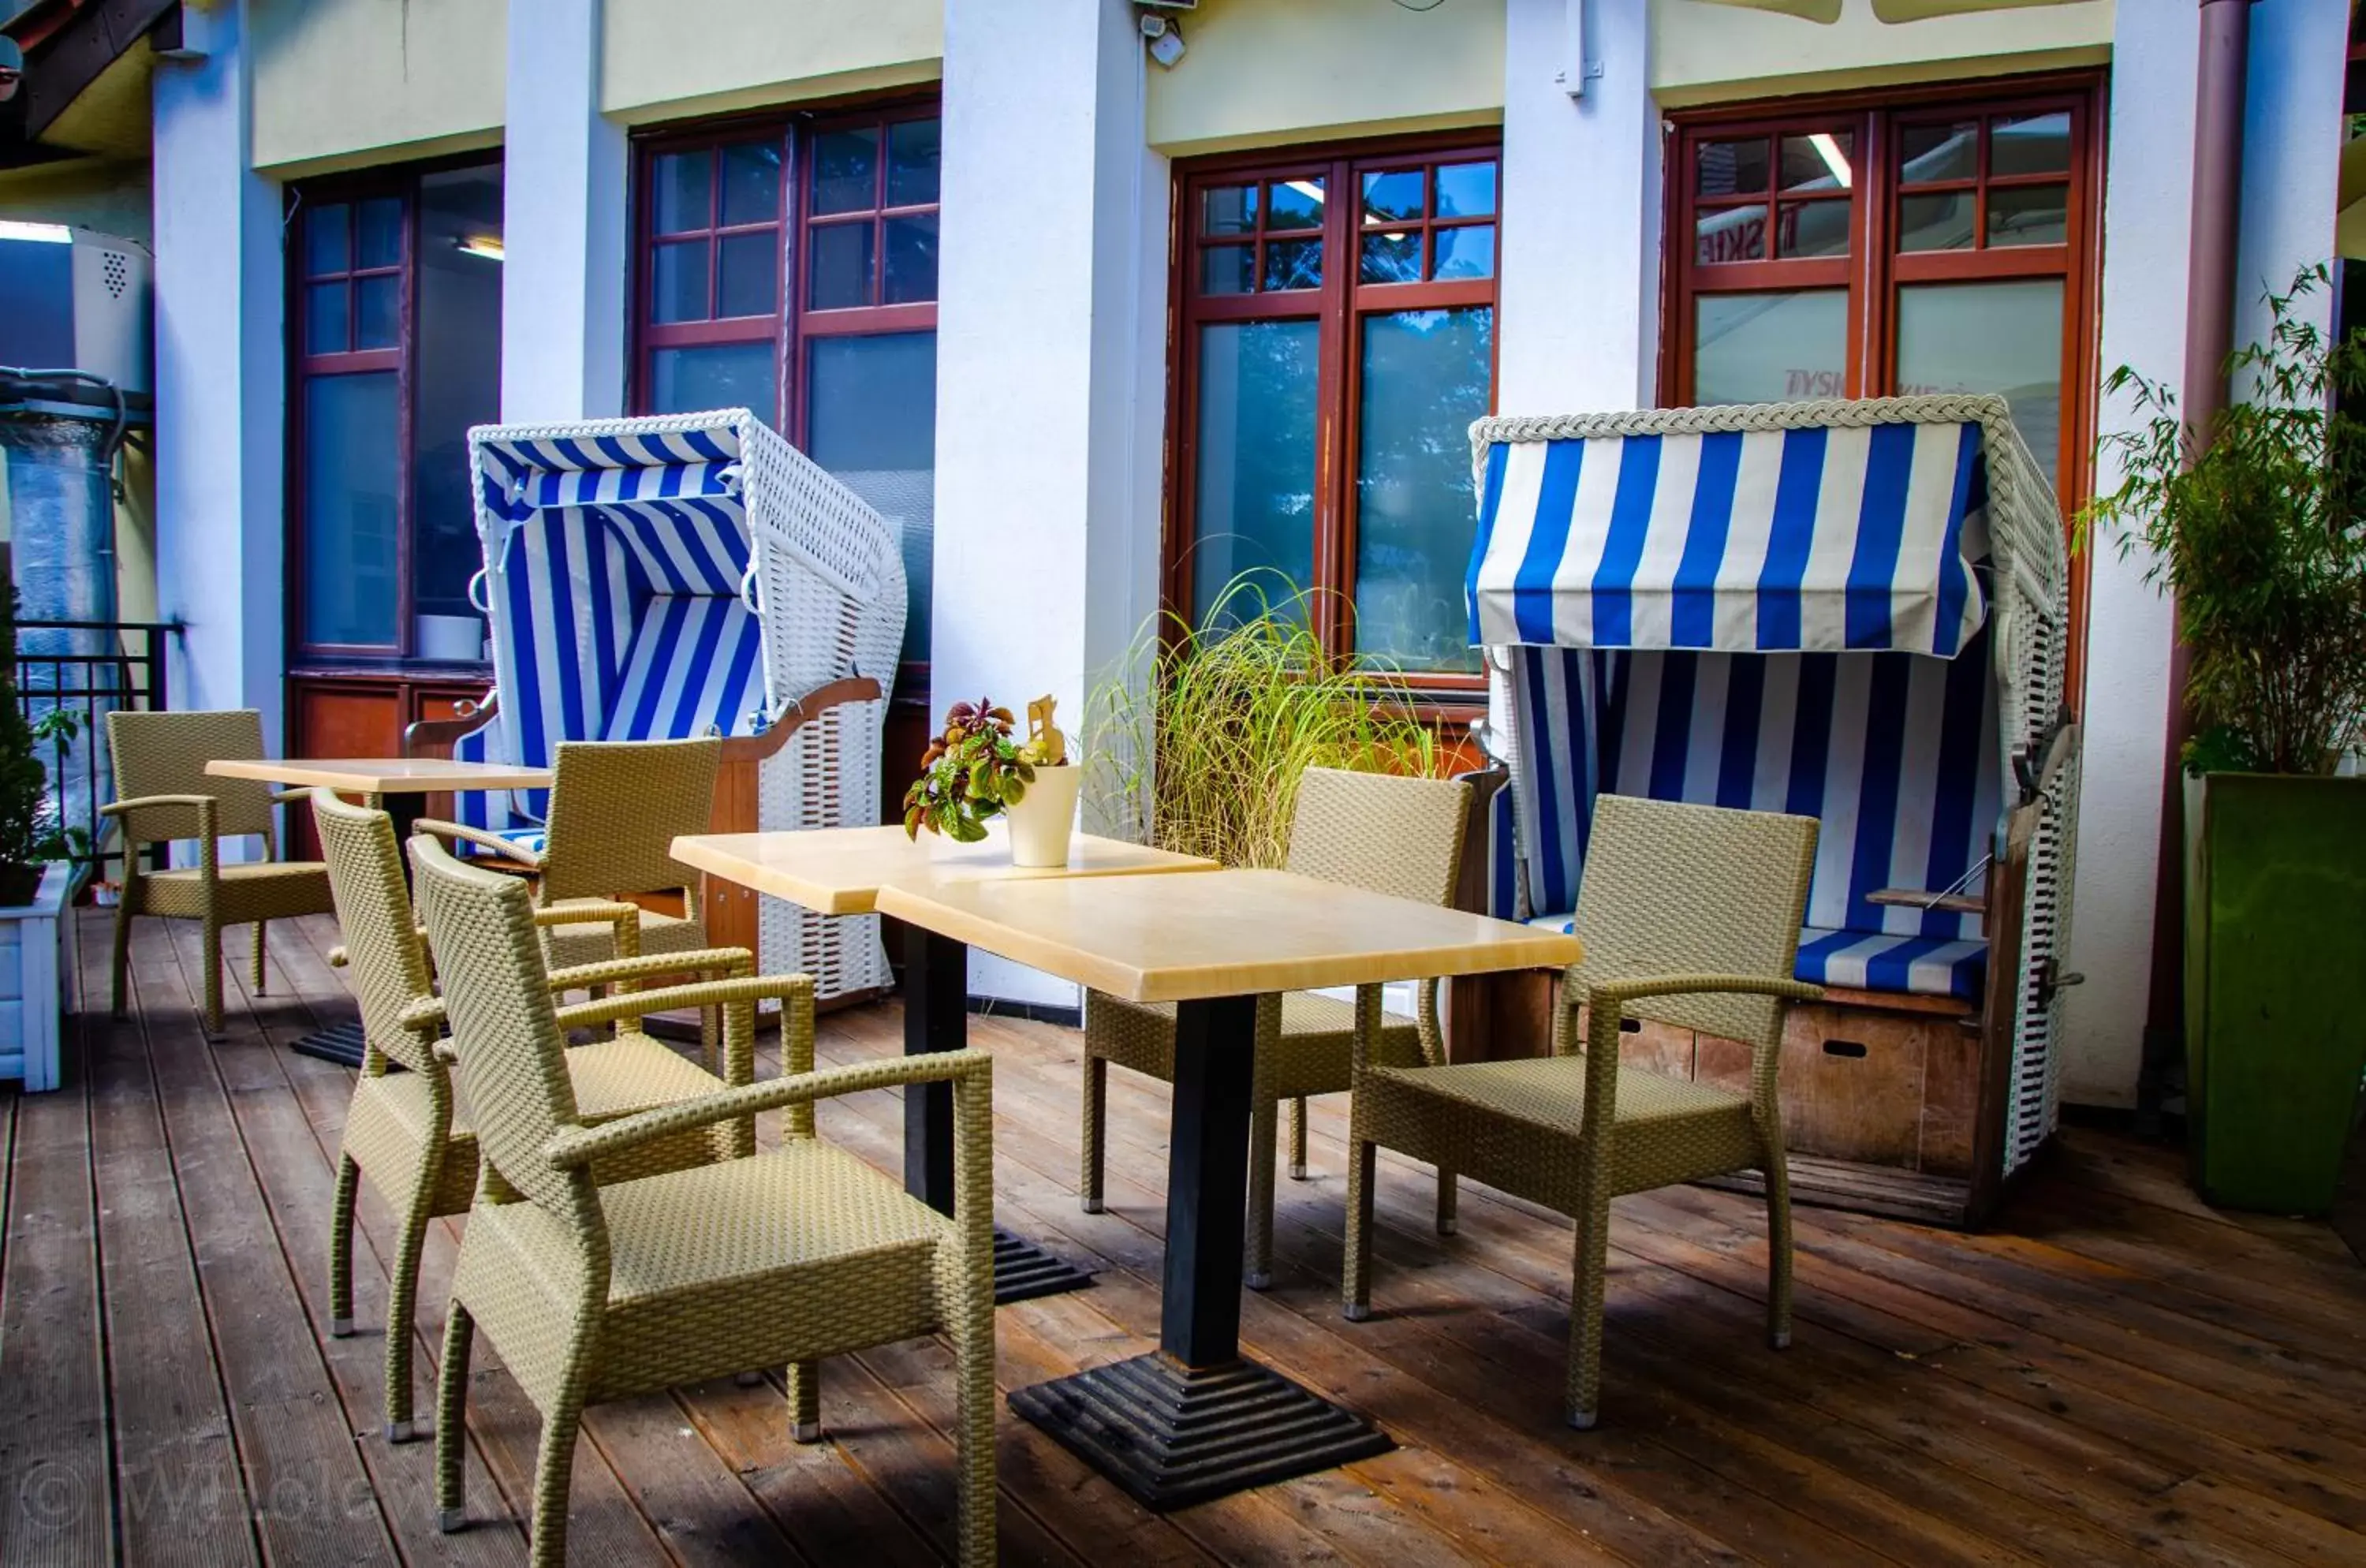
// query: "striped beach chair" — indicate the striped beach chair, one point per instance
point(1852, 611)
point(681, 576)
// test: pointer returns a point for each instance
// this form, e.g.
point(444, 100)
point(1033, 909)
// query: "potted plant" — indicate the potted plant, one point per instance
point(36, 885)
point(2259, 527)
point(1044, 813)
point(975, 772)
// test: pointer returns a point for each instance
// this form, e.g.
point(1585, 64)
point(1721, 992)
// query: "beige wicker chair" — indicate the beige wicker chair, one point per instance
point(1387, 834)
point(163, 795)
point(594, 1293)
point(1690, 916)
point(404, 1129)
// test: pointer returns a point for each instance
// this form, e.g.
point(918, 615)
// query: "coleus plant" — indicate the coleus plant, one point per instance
point(968, 775)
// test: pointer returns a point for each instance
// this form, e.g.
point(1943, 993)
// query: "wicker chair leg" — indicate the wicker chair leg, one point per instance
point(1298, 1137)
point(122, 949)
point(401, 1300)
point(1449, 1219)
point(553, 1467)
point(971, 1332)
point(1356, 1266)
point(451, 1420)
point(341, 1247)
point(213, 985)
point(256, 970)
point(804, 1401)
point(1778, 1252)
point(1592, 1261)
point(1265, 1130)
point(1096, 1116)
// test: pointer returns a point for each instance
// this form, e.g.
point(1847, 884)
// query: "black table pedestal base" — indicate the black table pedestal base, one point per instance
point(339, 1042)
point(1172, 1436)
point(1023, 1271)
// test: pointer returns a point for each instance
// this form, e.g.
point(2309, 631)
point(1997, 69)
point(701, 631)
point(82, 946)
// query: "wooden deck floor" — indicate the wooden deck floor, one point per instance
point(2116, 1374)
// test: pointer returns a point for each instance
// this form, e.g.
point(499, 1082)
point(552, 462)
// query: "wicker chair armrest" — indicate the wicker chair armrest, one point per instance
point(970, 1071)
point(454, 832)
point(713, 963)
point(289, 796)
point(624, 917)
point(1617, 994)
point(118, 808)
point(787, 988)
point(425, 1016)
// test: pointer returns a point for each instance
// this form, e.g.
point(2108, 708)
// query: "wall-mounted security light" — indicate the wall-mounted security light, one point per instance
point(1164, 37)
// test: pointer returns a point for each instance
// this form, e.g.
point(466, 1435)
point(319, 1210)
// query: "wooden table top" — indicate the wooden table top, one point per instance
point(1223, 933)
point(383, 775)
point(839, 871)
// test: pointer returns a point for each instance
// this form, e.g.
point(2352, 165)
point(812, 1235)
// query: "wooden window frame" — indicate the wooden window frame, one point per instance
point(1875, 271)
point(1341, 303)
point(303, 366)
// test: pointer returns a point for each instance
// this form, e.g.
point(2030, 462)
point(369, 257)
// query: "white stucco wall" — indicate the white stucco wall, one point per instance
point(350, 82)
point(669, 59)
point(1706, 52)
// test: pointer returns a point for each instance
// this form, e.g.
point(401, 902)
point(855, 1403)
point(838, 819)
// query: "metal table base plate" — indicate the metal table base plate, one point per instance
point(339, 1042)
point(1023, 1271)
point(1172, 1436)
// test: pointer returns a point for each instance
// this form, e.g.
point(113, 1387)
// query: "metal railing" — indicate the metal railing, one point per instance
point(88, 669)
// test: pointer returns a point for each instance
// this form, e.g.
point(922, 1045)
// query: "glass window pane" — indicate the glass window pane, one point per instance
point(1294, 204)
point(1730, 234)
point(1467, 252)
point(1425, 377)
point(381, 231)
point(1988, 337)
point(1812, 229)
point(838, 264)
point(328, 324)
point(749, 275)
point(913, 155)
point(1293, 264)
point(846, 170)
point(351, 476)
point(329, 240)
point(2029, 215)
point(1252, 463)
point(1466, 190)
point(377, 310)
point(751, 182)
point(1228, 210)
point(1228, 269)
point(911, 259)
point(1730, 168)
point(1393, 257)
point(1770, 348)
point(457, 379)
point(685, 183)
point(1938, 223)
point(1945, 151)
point(715, 376)
point(1820, 160)
point(1392, 198)
point(678, 282)
point(2030, 144)
point(872, 421)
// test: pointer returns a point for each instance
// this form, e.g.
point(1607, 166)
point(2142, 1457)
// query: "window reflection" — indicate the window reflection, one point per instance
point(870, 425)
point(1426, 377)
point(1253, 476)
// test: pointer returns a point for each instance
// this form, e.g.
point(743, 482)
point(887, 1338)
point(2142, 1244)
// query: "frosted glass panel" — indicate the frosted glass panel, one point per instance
point(351, 465)
point(1770, 348)
point(1253, 479)
point(873, 422)
point(1425, 378)
point(725, 376)
point(1990, 337)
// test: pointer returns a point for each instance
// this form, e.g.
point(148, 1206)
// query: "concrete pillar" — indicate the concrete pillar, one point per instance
point(1050, 364)
point(221, 375)
point(564, 221)
point(1579, 280)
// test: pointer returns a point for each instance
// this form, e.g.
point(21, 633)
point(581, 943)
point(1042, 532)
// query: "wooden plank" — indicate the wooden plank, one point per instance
point(56, 1485)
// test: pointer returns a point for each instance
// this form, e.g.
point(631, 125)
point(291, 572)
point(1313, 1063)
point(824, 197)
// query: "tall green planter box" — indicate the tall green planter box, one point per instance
point(2275, 985)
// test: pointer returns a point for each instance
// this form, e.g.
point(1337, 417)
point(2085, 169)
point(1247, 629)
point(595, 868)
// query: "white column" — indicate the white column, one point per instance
point(563, 220)
point(2147, 220)
point(1049, 363)
point(1579, 281)
point(220, 374)
point(2292, 155)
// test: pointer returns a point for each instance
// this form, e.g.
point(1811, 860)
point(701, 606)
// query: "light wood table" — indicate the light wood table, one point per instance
point(1197, 1419)
point(401, 785)
point(842, 871)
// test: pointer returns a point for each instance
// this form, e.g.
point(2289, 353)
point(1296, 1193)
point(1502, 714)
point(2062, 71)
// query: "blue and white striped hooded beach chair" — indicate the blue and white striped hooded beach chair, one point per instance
point(680, 576)
point(1852, 611)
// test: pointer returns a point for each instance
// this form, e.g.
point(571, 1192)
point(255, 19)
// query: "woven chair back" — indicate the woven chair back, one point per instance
point(374, 908)
point(617, 807)
point(1673, 889)
point(1381, 832)
point(512, 1060)
point(166, 753)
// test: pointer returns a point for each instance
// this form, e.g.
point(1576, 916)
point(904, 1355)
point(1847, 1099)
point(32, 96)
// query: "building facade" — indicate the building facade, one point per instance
point(1099, 329)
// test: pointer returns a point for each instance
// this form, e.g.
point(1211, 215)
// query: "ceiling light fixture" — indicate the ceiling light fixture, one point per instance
point(1830, 151)
point(486, 245)
point(45, 233)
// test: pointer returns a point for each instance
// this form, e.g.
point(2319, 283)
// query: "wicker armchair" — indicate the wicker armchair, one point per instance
point(1690, 916)
point(404, 1129)
point(592, 1294)
point(1386, 834)
point(162, 793)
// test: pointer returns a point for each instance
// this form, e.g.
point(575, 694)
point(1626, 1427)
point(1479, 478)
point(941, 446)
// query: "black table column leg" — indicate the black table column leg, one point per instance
point(936, 1018)
point(1196, 1420)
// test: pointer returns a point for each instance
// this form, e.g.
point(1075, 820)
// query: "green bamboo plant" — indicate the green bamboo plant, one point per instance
point(1197, 740)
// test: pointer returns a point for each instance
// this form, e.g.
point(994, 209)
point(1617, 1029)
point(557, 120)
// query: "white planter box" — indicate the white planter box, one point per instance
point(37, 952)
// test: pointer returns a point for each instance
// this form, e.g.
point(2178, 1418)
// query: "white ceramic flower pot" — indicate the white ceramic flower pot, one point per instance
point(1041, 822)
